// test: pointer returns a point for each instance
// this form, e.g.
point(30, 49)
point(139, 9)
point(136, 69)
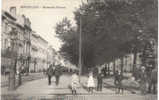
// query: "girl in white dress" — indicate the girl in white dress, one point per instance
point(90, 83)
point(74, 83)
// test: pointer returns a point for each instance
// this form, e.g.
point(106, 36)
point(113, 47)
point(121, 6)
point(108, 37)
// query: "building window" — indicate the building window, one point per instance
point(3, 26)
point(7, 43)
point(6, 27)
point(2, 43)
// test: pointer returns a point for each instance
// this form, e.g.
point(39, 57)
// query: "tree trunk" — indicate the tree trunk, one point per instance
point(28, 65)
point(108, 68)
point(114, 67)
point(34, 66)
point(12, 71)
point(134, 61)
point(122, 64)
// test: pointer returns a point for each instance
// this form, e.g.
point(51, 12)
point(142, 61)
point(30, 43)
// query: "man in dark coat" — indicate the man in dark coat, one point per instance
point(115, 78)
point(99, 82)
point(153, 81)
point(49, 73)
point(57, 74)
point(118, 82)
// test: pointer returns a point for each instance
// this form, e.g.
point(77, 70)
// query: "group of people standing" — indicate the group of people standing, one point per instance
point(143, 78)
point(146, 79)
point(90, 82)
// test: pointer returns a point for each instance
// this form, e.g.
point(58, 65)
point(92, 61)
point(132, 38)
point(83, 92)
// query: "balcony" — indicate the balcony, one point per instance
point(8, 53)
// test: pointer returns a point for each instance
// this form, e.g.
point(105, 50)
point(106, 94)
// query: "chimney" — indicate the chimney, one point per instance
point(13, 11)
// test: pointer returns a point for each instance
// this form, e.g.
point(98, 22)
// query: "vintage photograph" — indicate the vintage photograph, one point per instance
point(79, 50)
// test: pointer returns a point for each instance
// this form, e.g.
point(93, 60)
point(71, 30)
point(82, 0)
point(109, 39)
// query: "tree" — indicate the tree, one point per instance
point(119, 29)
point(68, 34)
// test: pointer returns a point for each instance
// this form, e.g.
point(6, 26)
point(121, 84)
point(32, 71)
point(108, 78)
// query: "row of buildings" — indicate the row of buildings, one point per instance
point(19, 42)
point(128, 63)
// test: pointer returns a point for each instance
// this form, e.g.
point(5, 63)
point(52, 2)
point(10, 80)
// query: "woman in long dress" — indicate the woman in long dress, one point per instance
point(90, 83)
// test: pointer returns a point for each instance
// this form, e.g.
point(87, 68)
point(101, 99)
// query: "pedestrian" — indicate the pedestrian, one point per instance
point(136, 72)
point(143, 79)
point(49, 73)
point(99, 81)
point(74, 82)
point(90, 83)
point(57, 73)
point(115, 77)
point(148, 74)
point(153, 81)
point(118, 82)
point(19, 75)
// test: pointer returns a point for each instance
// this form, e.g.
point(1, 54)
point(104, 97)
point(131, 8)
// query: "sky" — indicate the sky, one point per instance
point(44, 14)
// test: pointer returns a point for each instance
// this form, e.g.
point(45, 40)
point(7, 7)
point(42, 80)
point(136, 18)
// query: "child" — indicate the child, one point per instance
point(74, 83)
point(90, 83)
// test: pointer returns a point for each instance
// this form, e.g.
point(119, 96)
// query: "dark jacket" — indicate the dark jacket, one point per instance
point(143, 77)
point(57, 71)
point(118, 80)
point(154, 76)
point(100, 78)
point(50, 71)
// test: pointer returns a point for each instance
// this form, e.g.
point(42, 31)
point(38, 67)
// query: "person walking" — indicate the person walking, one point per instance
point(115, 77)
point(143, 79)
point(90, 83)
point(118, 82)
point(99, 81)
point(49, 73)
point(153, 81)
point(74, 82)
point(120, 85)
point(57, 74)
point(19, 75)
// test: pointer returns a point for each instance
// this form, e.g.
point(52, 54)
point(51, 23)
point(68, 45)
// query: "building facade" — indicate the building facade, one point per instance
point(22, 27)
point(42, 54)
point(31, 51)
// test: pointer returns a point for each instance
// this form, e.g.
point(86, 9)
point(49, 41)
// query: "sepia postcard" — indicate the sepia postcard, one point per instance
point(79, 50)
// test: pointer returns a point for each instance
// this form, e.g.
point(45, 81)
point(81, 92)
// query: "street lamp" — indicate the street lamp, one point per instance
point(13, 40)
point(80, 49)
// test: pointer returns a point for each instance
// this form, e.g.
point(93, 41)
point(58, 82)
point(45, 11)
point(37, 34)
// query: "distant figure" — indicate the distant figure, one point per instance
point(136, 73)
point(19, 72)
point(153, 82)
point(99, 81)
point(118, 82)
point(49, 73)
point(143, 79)
point(115, 77)
point(57, 74)
point(90, 83)
point(74, 82)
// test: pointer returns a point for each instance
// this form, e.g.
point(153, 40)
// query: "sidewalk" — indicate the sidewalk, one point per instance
point(40, 88)
point(109, 84)
point(25, 79)
point(30, 77)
